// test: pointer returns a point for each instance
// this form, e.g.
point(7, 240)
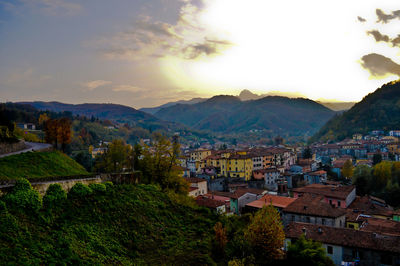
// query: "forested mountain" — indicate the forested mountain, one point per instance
point(378, 110)
point(226, 113)
point(153, 110)
point(115, 112)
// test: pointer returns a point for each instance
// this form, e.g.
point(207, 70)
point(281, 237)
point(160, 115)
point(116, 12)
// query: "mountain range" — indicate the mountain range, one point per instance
point(246, 95)
point(379, 110)
point(229, 114)
point(115, 112)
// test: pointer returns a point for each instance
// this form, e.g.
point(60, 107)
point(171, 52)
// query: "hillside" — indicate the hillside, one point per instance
point(229, 114)
point(39, 164)
point(103, 225)
point(115, 112)
point(378, 110)
point(153, 110)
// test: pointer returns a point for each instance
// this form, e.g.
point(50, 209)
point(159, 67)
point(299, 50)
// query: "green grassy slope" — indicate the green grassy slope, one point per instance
point(113, 225)
point(39, 164)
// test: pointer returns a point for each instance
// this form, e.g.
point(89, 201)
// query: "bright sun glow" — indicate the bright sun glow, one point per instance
point(310, 46)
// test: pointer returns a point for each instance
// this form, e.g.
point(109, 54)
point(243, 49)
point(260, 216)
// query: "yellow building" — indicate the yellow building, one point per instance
point(239, 166)
point(200, 154)
point(394, 148)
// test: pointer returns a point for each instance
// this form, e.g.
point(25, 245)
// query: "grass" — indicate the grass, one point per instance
point(38, 165)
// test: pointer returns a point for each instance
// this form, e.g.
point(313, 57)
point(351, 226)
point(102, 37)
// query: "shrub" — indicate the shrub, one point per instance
point(23, 198)
point(55, 197)
point(98, 188)
point(79, 190)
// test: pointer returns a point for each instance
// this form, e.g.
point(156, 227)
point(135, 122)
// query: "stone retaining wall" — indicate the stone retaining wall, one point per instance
point(12, 147)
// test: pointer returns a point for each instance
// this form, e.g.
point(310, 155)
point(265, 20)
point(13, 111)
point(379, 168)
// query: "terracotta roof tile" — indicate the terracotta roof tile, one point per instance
point(276, 201)
point(344, 237)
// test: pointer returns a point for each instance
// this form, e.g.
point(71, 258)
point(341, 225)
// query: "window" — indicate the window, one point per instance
point(338, 203)
point(293, 218)
point(351, 226)
point(323, 221)
point(329, 249)
point(308, 219)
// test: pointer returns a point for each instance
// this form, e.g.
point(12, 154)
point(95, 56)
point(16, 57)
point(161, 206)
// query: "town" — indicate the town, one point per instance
point(353, 229)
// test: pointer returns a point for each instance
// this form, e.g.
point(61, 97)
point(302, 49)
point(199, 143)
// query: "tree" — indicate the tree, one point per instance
point(377, 158)
point(265, 234)
point(362, 179)
point(115, 159)
point(64, 132)
point(307, 252)
point(382, 174)
point(159, 164)
point(220, 237)
point(347, 169)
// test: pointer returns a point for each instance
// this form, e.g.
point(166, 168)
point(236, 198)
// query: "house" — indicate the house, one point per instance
point(29, 126)
point(224, 199)
point(270, 176)
point(394, 133)
point(316, 177)
point(338, 196)
point(198, 186)
point(345, 245)
point(98, 151)
point(278, 202)
point(213, 204)
point(242, 196)
point(367, 223)
point(311, 208)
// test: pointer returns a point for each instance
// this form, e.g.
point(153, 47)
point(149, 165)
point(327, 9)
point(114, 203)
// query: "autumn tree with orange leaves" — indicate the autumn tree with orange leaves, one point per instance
point(58, 131)
point(265, 235)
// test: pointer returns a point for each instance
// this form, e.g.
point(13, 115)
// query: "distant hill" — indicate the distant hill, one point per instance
point(228, 114)
point(39, 164)
point(115, 112)
point(338, 106)
point(153, 110)
point(378, 110)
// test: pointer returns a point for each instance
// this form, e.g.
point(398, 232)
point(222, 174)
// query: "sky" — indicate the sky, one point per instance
point(144, 53)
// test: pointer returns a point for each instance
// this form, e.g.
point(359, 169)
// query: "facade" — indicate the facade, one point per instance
point(198, 186)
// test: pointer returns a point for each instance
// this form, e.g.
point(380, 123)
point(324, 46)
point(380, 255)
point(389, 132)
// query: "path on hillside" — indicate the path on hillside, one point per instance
point(32, 146)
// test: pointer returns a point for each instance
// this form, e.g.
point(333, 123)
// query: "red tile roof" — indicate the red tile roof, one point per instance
point(344, 237)
point(276, 201)
point(208, 202)
point(337, 192)
point(366, 205)
point(314, 205)
point(195, 180)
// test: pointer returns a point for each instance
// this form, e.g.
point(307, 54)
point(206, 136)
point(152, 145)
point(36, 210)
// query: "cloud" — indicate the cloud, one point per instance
point(128, 88)
point(385, 18)
point(361, 19)
point(379, 37)
point(91, 85)
point(379, 65)
point(188, 38)
point(47, 7)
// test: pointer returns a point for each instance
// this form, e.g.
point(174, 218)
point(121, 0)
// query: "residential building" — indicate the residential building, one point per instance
point(278, 202)
point(316, 177)
point(338, 196)
point(215, 205)
point(311, 208)
point(345, 245)
point(198, 186)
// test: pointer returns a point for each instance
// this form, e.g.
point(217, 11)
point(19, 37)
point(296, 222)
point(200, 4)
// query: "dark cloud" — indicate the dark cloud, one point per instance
point(385, 18)
point(193, 51)
point(361, 19)
point(378, 36)
point(379, 65)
